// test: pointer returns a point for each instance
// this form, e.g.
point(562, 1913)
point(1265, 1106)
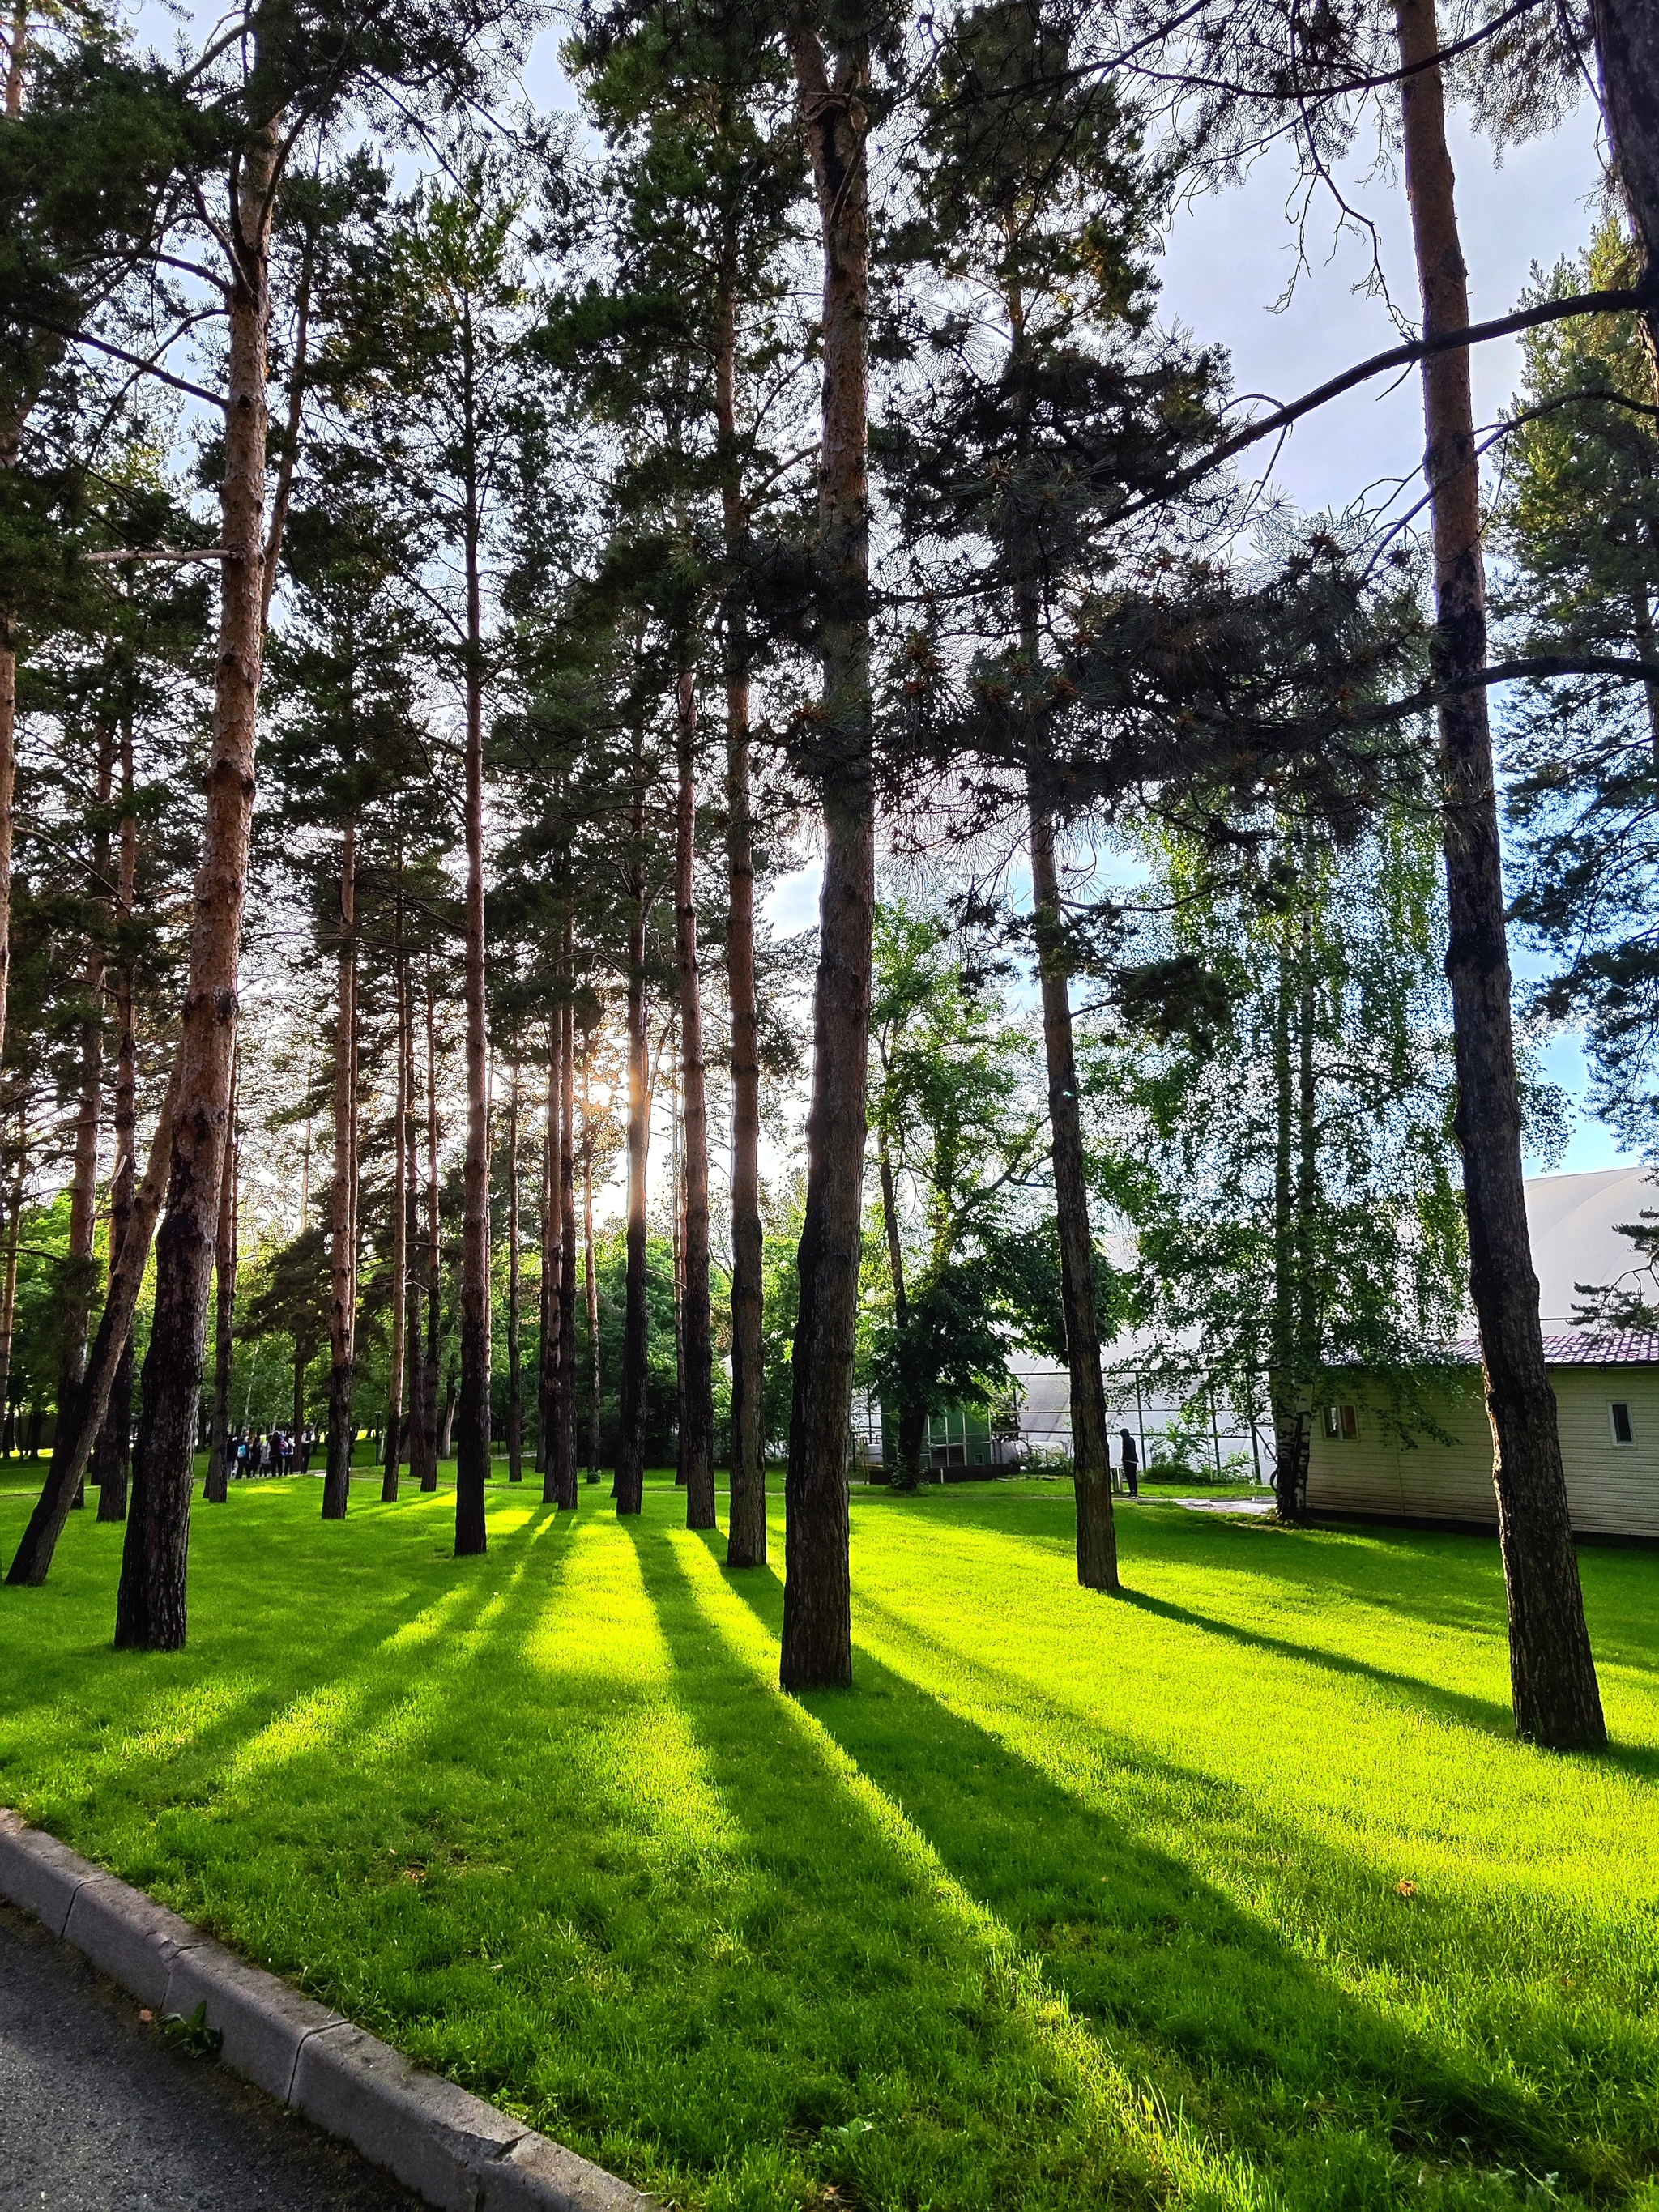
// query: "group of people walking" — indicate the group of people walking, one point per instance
point(277, 1452)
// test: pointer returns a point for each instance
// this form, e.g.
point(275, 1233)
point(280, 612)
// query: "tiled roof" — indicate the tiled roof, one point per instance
point(1624, 1347)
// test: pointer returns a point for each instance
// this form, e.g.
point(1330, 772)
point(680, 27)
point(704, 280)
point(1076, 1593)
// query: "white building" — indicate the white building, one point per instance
point(1606, 1389)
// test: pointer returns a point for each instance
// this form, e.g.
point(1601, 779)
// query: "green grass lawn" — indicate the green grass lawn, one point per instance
point(1236, 1893)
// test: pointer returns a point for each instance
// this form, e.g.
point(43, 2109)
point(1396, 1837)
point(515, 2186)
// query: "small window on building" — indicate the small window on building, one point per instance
point(1618, 1413)
point(1350, 1424)
point(1333, 1422)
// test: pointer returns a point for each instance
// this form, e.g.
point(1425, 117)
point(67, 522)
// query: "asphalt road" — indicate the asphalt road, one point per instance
point(100, 2112)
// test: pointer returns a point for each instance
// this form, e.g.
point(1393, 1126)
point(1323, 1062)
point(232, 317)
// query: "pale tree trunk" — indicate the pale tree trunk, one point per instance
point(151, 1611)
point(472, 1450)
point(343, 1208)
point(81, 1270)
point(564, 1430)
point(631, 1408)
point(397, 1359)
point(514, 1359)
point(78, 1430)
point(910, 1424)
point(552, 1264)
point(745, 1542)
point(112, 1454)
point(447, 1419)
point(591, 1278)
point(697, 1435)
point(1552, 1673)
point(818, 1646)
point(217, 1489)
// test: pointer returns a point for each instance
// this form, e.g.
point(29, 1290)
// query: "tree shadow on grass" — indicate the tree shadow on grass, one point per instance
point(1445, 1579)
point(1440, 1579)
point(266, 1658)
point(1197, 1996)
point(1464, 1705)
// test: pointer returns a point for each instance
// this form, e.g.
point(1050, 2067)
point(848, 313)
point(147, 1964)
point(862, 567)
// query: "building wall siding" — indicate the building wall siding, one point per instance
point(1612, 1489)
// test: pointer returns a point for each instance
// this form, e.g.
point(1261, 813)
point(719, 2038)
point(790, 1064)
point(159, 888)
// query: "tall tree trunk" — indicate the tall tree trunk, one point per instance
point(80, 1273)
point(676, 1241)
point(697, 1435)
point(1627, 33)
point(224, 1265)
point(1552, 1675)
point(396, 1359)
point(591, 1280)
point(435, 1262)
point(1287, 1386)
point(564, 1436)
point(1310, 1341)
point(552, 1263)
point(1092, 1465)
point(635, 1376)
point(472, 1453)
point(112, 1455)
point(745, 1542)
point(342, 1209)
point(11, 430)
point(515, 1360)
point(817, 1638)
point(78, 1430)
point(151, 1608)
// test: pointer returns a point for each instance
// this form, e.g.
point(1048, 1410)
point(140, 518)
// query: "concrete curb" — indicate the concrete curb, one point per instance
point(452, 2148)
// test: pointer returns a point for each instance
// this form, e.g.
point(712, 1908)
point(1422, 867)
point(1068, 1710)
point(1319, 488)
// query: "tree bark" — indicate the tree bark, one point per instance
point(631, 1409)
point(564, 1433)
point(217, 1488)
point(1552, 1675)
point(151, 1606)
point(342, 1208)
point(696, 1323)
point(515, 1357)
point(472, 1453)
point(745, 1543)
point(1092, 1465)
point(79, 1271)
point(817, 1645)
point(112, 1455)
point(1627, 33)
point(552, 1262)
point(78, 1428)
point(396, 1359)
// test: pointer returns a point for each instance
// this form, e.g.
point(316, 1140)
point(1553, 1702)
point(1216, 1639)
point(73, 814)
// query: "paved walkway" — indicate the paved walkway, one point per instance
point(100, 2114)
point(1252, 1508)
